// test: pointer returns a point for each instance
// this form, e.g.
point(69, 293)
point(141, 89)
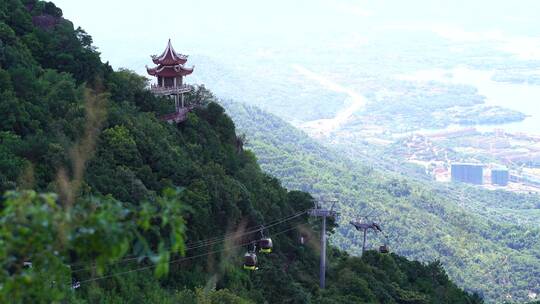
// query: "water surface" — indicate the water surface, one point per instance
point(521, 97)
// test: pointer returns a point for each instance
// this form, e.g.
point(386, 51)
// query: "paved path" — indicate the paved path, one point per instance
point(324, 127)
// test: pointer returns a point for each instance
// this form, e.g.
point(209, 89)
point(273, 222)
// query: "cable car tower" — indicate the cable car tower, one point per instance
point(323, 213)
point(365, 225)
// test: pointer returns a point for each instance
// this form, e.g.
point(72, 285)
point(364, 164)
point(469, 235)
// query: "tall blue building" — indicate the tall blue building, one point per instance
point(468, 173)
point(500, 176)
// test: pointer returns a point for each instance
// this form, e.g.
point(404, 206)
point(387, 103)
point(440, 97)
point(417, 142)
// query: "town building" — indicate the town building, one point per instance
point(500, 176)
point(467, 173)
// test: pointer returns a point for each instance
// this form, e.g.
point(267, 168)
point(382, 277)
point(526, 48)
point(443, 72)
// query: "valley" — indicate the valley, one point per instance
point(434, 150)
point(395, 134)
point(424, 220)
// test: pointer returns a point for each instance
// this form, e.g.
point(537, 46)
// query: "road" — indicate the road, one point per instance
point(325, 127)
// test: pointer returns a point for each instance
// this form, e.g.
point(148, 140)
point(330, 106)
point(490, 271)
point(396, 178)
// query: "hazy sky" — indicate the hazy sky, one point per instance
point(124, 29)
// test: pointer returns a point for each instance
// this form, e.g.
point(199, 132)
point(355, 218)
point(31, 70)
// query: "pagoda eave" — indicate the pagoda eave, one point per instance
point(159, 61)
point(170, 71)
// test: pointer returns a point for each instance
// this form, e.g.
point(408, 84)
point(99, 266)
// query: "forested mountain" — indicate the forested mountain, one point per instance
point(104, 203)
point(477, 234)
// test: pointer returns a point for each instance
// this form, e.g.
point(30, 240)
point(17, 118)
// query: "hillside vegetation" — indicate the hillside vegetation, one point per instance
point(104, 203)
point(477, 235)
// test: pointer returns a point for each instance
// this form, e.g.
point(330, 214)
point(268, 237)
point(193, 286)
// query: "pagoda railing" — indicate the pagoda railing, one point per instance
point(160, 90)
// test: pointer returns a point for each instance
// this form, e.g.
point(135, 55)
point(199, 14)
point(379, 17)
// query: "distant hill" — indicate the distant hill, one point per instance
point(472, 232)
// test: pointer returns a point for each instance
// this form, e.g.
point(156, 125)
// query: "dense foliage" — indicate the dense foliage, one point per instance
point(479, 236)
point(134, 195)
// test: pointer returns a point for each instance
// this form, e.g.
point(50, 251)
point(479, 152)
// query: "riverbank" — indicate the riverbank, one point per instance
point(522, 97)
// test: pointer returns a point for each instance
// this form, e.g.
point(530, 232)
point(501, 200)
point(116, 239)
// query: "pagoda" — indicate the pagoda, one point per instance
point(170, 71)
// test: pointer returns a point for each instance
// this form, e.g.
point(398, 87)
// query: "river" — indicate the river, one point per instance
point(324, 127)
point(521, 97)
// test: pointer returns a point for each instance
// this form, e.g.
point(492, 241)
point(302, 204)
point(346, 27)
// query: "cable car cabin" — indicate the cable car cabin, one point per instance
point(265, 245)
point(250, 261)
point(384, 249)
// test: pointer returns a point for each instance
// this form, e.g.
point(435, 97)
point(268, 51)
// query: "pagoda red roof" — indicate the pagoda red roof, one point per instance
point(169, 64)
point(169, 56)
point(169, 70)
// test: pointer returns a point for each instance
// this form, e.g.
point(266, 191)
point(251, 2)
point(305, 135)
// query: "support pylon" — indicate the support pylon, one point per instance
point(324, 213)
